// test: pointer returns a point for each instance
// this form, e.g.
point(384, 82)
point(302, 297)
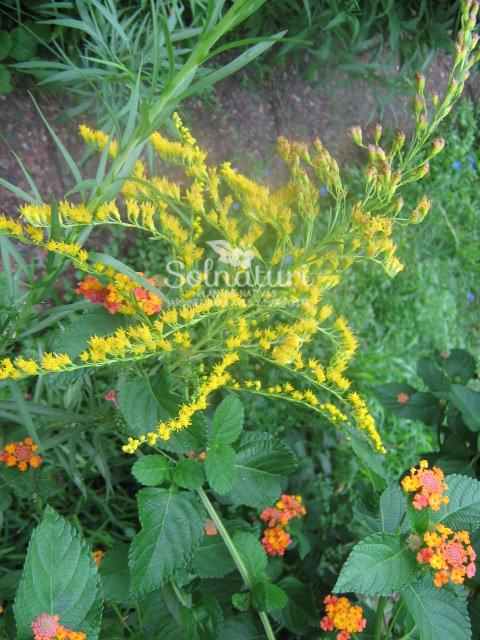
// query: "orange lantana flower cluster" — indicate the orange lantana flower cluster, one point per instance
point(428, 485)
point(115, 297)
point(450, 553)
point(21, 454)
point(46, 627)
point(343, 616)
point(275, 538)
point(210, 528)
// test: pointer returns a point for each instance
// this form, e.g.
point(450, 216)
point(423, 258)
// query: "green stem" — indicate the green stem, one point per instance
point(120, 617)
point(180, 596)
point(393, 620)
point(379, 619)
point(235, 556)
point(407, 635)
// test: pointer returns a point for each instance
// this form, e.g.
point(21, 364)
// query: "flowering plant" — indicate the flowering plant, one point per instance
point(182, 339)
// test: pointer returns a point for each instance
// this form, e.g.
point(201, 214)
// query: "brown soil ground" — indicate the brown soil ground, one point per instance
point(239, 121)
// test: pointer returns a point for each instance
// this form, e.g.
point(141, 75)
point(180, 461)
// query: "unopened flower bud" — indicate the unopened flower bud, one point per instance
point(424, 205)
point(452, 87)
point(422, 170)
point(356, 134)
point(378, 132)
point(437, 146)
point(420, 82)
point(460, 38)
point(474, 41)
point(422, 123)
point(396, 177)
point(417, 104)
point(398, 204)
point(399, 141)
point(380, 153)
point(370, 173)
point(372, 152)
point(317, 143)
point(435, 99)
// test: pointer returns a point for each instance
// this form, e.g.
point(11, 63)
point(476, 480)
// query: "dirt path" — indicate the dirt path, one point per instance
point(239, 121)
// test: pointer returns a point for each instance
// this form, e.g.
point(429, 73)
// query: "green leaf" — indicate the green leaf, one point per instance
point(373, 460)
point(96, 322)
point(220, 468)
point(468, 402)
point(160, 617)
point(212, 558)
point(463, 508)
point(381, 513)
point(5, 44)
point(387, 395)
point(151, 470)
point(432, 376)
point(439, 614)
point(268, 597)
point(460, 366)
point(24, 45)
point(228, 421)
point(5, 496)
point(115, 574)
point(144, 404)
point(172, 527)
point(300, 612)
point(5, 77)
point(241, 601)
point(189, 474)
point(378, 565)
point(261, 461)
point(418, 520)
point(59, 578)
point(242, 627)
point(251, 552)
point(203, 621)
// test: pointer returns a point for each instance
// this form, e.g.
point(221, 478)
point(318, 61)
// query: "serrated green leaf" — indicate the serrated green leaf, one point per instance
point(203, 621)
point(220, 468)
point(261, 461)
point(242, 627)
point(5, 496)
point(24, 45)
point(463, 508)
point(189, 474)
point(151, 470)
point(241, 601)
point(251, 552)
point(172, 527)
point(268, 597)
point(379, 565)
point(5, 44)
point(228, 420)
point(144, 404)
point(212, 558)
point(160, 616)
point(418, 520)
point(300, 612)
point(95, 322)
point(433, 377)
point(60, 577)
point(381, 513)
point(439, 614)
point(115, 574)
point(468, 402)
point(460, 366)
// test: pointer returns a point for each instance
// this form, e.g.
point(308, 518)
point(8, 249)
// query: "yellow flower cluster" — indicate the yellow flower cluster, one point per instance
point(217, 379)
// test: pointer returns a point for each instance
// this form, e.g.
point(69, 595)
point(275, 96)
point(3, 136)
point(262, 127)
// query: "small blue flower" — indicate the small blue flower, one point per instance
point(323, 190)
point(236, 205)
point(470, 297)
point(457, 164)
point(266, 171)
point(471, 161)
point(288, 260)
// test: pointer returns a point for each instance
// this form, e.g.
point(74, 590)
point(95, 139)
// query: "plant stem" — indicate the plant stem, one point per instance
point(235, 556)
point(120, 617)
point(379, 619)
point(393, 620)
point(180, 596)
point(407, 635)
